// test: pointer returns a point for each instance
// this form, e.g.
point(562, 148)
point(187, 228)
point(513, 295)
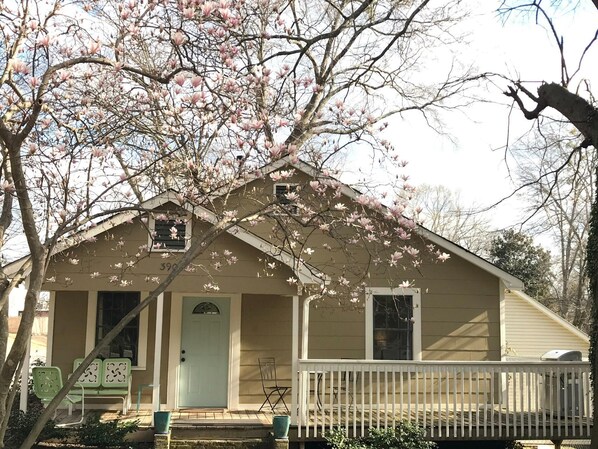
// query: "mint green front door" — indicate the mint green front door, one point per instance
point(203, 378)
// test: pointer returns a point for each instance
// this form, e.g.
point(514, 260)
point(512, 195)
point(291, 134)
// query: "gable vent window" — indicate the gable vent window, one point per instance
point(170, 234)
point(281, 191)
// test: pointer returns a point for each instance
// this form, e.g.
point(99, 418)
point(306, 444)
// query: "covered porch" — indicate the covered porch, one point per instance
point(450, 400)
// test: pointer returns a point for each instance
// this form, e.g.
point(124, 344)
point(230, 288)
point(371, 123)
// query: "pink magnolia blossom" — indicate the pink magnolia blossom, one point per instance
point(94, 48)
point(178, 38)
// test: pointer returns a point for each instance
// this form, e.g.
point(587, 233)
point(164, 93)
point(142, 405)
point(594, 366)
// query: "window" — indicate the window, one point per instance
point(393, 324)
point(393, 327)
point(206, 308)
point(170, 234)
point(111, 308)
point(281, 191)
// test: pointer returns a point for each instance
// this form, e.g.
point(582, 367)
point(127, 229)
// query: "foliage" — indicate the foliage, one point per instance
point(559, 191)
point(515, 253)
point(20, 424)
point(105, 104)
point(405, 435)
point(592, 273)
point(94, 432)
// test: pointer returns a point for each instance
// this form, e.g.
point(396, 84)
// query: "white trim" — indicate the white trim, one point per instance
point(502, 320)
point(157, 352)
point(294, 359)
point(25, 377)
point(550, 314)
point(509, 280)
point(174, 350)
point(51, 314)
point(415, 293)
point(234, 373)
point(188, 234)
point(174, 346)
point(92, 312)
point(90, 333)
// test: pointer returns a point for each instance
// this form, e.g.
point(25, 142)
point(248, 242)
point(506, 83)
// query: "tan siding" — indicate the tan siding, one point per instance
point(530, 333)
point(68, 343)
point(265, 332)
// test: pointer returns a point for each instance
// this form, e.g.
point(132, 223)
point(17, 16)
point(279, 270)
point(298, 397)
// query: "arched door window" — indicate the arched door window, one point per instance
point(206, 308)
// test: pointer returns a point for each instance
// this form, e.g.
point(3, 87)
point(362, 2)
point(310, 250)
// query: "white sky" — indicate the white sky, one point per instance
point(472, 160)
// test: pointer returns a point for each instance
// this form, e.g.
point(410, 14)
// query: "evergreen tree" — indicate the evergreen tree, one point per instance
point(515, 253)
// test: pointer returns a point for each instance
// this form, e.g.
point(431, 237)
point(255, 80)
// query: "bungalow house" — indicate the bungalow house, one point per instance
point(430, 349)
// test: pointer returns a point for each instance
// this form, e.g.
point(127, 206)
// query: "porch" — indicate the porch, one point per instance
point(450, 400)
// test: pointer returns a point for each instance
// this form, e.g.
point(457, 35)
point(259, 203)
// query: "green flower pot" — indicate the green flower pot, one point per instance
point(162, 421)
point(280, 426)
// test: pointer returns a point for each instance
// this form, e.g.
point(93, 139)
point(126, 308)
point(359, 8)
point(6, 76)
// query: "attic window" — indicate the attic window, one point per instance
point(281, 191)
point(170, 233)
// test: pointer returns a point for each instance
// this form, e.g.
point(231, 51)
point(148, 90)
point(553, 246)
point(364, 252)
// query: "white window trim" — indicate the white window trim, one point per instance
point(415, 293)
point(286, 184)
point(188, 230)
point(90, 335)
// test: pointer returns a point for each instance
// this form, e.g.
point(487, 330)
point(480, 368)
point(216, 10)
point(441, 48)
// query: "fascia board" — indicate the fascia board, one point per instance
point(306, 273)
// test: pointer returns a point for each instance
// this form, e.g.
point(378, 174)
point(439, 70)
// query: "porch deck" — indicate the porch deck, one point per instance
point(459, 425)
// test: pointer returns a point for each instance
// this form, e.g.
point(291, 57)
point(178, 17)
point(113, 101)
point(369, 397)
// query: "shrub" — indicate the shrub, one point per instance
point(94, 432)
point(20, 424)
point(404, 436)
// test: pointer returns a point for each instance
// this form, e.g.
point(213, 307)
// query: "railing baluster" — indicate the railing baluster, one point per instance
point(530, 400)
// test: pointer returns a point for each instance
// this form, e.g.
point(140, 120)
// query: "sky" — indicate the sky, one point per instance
point(470, 158)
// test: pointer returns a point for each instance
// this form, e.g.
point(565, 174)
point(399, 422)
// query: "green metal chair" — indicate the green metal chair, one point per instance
point(47, 382)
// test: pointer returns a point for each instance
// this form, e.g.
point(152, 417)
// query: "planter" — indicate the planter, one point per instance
point(280, 426)
point(162, 421)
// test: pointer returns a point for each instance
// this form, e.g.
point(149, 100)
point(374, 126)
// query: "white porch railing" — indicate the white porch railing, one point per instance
point(489, 400)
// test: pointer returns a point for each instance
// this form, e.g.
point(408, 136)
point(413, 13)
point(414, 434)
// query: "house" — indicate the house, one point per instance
point(430, 350)
point(531, 329)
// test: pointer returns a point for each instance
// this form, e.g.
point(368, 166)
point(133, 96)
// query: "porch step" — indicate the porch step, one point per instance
point(219, 432)
point(183, 439)
point(229, 443)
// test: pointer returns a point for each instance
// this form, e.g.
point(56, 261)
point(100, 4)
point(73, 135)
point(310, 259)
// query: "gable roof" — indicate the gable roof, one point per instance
point(509, 280)
point(306, 273)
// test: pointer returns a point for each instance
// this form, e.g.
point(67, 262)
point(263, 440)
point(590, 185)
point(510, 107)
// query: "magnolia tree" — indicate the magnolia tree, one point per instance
point(104, 104)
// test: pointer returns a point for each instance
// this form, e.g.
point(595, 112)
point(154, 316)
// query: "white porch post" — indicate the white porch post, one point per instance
point(157, 353)
point(25, 378)
point(294, 357)
point(305, 328)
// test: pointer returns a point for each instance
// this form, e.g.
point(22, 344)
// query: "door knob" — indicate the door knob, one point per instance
point(183, 359)
point(183, 351)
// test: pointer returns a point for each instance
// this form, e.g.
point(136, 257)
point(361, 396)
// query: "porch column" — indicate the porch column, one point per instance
point(25, 377)
point(157, 353)
point(294, 357)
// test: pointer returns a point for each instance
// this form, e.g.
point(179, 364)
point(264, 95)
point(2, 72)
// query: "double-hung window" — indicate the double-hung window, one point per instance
point(111, 308)
point(393, 324)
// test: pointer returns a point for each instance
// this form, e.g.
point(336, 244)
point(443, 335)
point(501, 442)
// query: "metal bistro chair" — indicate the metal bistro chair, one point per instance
point(274, 393)
point(47, 382)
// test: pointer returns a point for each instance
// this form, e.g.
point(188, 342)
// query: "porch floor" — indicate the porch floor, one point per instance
point(504, 425)
point(179, 418)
